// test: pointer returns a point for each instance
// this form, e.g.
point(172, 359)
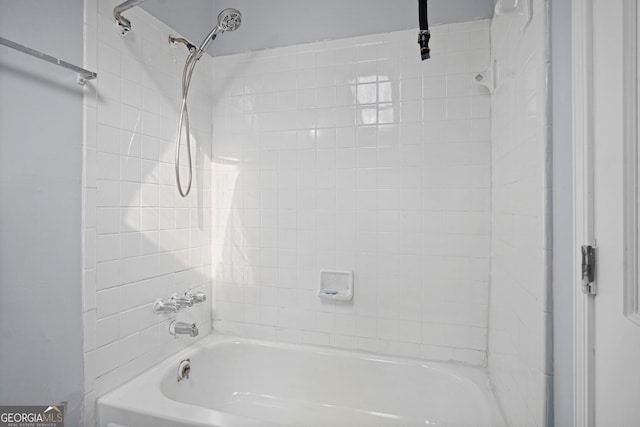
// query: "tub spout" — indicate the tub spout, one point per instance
point(183, 328)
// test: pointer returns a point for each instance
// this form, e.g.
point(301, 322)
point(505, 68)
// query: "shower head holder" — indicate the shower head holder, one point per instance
point(174, 41)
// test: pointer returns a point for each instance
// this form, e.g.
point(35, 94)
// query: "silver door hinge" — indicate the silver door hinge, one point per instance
point(589, 270)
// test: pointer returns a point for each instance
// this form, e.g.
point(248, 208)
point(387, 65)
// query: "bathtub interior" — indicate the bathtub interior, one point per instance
point(237, 380)
point(289, 384)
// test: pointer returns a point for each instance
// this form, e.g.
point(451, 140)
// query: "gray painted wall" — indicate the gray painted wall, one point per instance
point(40, 205)
point(277, 23)
point(562, 211)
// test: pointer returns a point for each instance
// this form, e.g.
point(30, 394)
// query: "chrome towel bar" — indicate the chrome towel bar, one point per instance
point(83, 74)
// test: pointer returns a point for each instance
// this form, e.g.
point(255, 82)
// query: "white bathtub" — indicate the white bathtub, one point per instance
point(242, 382)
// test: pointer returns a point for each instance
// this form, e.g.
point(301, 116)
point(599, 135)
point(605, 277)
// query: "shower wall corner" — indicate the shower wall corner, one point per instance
point(141, 240)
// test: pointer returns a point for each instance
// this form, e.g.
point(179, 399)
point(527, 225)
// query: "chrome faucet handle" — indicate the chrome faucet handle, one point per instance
point(164, 306)
point(197, 297)
point(182, 301)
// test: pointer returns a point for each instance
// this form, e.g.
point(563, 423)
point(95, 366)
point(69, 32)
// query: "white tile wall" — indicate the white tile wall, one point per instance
point(354, 155)
point(141, 239)
point(520, 318)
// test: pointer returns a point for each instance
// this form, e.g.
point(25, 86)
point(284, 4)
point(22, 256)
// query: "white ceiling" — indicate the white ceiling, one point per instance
point(276, 23)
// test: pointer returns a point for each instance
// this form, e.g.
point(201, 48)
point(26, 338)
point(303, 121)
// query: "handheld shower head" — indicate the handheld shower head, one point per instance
point(229, 19)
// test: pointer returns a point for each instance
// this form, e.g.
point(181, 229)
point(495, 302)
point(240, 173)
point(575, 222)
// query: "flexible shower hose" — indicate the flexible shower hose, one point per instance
point(184, 120)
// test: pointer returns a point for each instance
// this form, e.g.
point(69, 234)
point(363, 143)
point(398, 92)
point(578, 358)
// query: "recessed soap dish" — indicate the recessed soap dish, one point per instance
point(337, 285)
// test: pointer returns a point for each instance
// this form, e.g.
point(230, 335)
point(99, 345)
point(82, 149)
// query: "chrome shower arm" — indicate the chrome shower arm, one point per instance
point(123, 23)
